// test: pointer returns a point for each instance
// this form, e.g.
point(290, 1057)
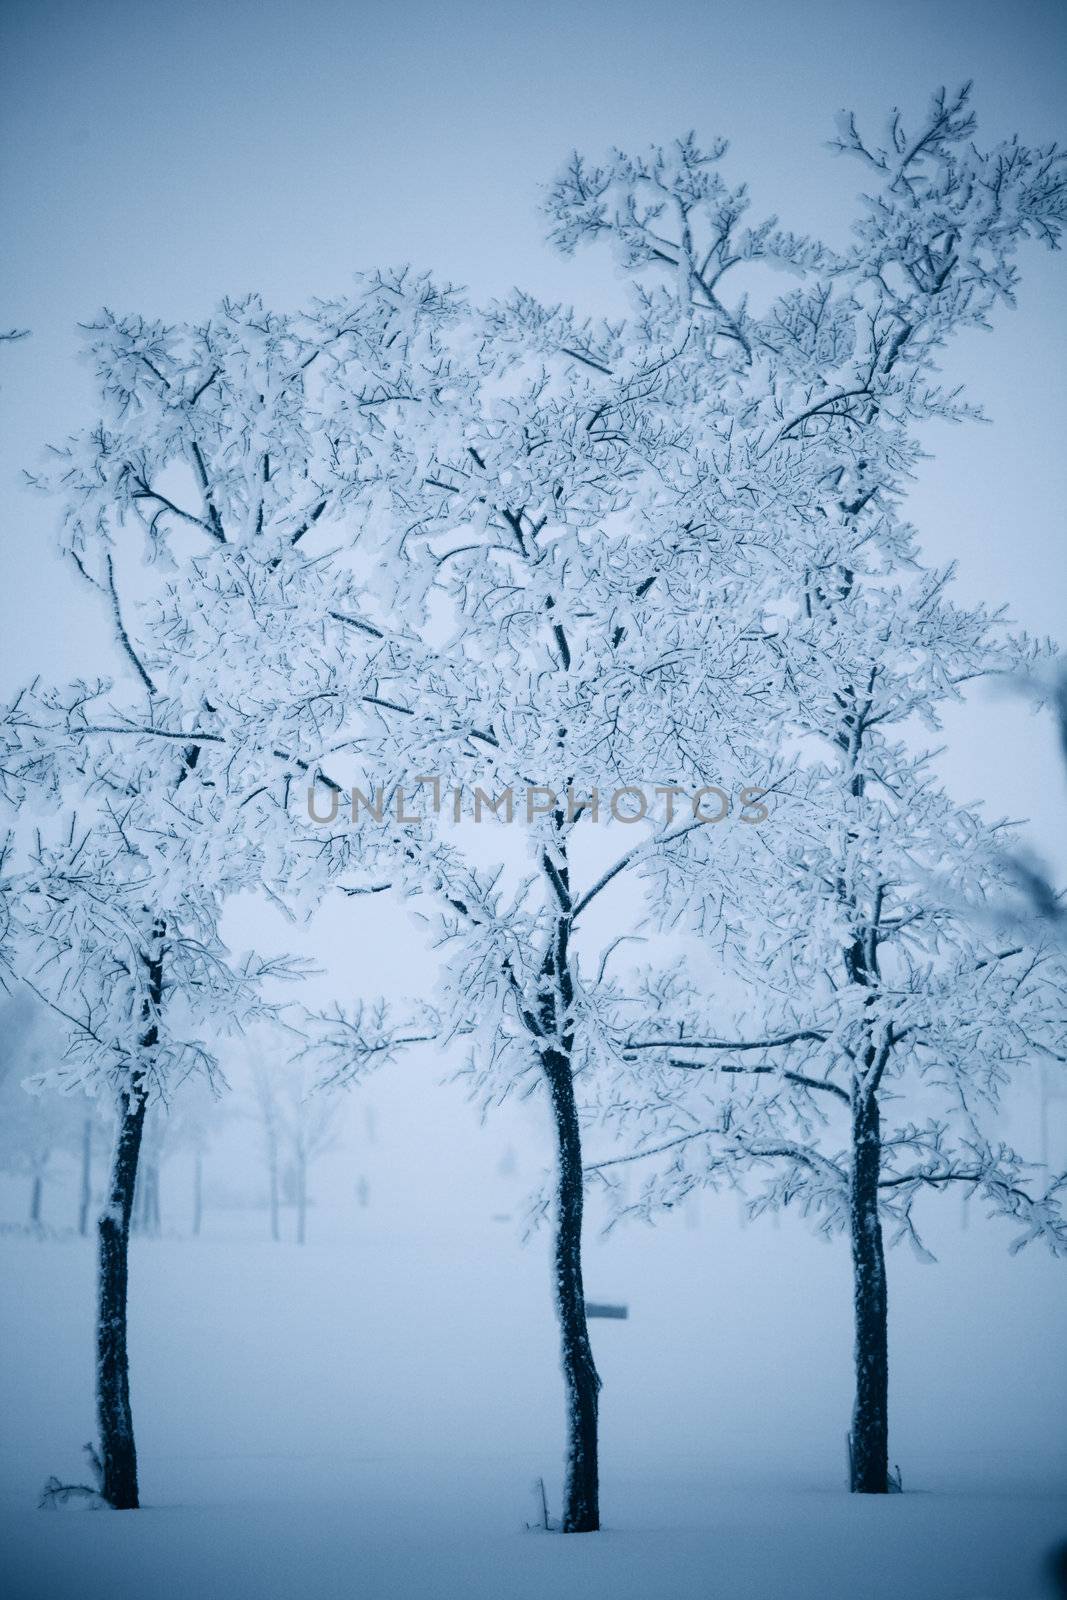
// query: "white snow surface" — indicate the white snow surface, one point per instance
point(368, 1417)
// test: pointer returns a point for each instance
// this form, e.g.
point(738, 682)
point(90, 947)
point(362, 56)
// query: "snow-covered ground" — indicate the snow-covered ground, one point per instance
point(368, 1417)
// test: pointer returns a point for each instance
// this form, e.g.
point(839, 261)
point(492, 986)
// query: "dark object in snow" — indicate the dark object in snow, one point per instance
point(618, 1313)
point(55, 1493)
point(546, 1523)
point(1057, 1566)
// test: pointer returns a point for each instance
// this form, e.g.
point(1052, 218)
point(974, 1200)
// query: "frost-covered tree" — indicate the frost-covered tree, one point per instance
point(875, 1027)
point(578, 469)
point(857, 341)
point(217, 512)
point(401, 547)
point(122, 863)
point(568, 479)
point(216, 455)
point(815, 403)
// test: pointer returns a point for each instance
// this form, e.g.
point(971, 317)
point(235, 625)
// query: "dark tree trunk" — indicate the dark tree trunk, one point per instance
point(86, 1199)
point(553, 1026)
point(36, 1196)
point(869, 1440)
point(581, 1509)
point(118, 1452)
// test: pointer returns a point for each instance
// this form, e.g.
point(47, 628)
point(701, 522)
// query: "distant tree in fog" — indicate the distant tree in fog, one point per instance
point(299, 1123)
point(35, 1131)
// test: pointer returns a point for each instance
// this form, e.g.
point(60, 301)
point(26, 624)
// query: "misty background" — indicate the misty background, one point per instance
point(155, 158)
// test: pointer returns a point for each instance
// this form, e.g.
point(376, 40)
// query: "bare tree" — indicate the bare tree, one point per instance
point(298, 1125)
point(35, 1130)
